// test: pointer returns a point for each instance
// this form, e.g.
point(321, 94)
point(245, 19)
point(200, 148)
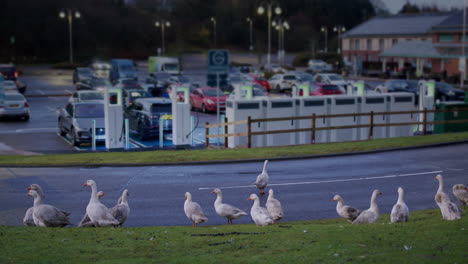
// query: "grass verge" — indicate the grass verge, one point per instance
point(425, 239)
point(164, 157)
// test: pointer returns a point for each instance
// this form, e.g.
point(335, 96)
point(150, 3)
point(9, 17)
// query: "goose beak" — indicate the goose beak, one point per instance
point(249, 198)
point(85, 184)
point(28, 189)
point(103, 193)
point(213, 191)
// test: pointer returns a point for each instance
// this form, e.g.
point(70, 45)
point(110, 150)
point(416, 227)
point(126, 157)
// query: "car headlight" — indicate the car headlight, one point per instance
point(209, 101)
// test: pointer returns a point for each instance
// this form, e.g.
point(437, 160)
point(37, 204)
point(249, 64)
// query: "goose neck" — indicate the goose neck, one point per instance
point(256, 203)
point(373, 203)
point(339, 204)
point(265, 167)
point(400, 197)
point(94, 197)
point(441, 186)
point(38, 200)
point(219, 198)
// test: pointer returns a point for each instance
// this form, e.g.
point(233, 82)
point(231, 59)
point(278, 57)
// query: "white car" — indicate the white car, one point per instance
point(86, 95)
point(281, 82)
point(9, 86)
point(319, 66)
point(332, 78)
point(15, 106)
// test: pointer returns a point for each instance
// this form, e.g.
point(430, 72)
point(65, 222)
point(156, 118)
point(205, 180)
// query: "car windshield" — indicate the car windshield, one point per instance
point(261, 79)
point(91, 96)
point(14, 97)
point(85, 71)
point(334, 77)
point(330, 88)
point(442, 85)
point(7, 70)
point(184, 79)
point(289, 77)
point(162, 76)
point(211, 92)
point(161, 108)
point(171, 66)
point(89, 110)
point(306, 78)
point(101, 82)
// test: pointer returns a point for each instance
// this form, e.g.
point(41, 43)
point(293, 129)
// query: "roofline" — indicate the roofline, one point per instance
point(388, 35)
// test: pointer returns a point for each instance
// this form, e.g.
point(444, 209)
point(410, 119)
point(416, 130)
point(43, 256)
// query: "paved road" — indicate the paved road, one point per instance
point(305, 187)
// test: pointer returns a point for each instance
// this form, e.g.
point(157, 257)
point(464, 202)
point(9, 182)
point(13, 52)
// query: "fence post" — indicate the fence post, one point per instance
point(424, 122)
point(312, 133)
point(225, 132)
point(249, 131)
point(207, 132)
point(371, 125)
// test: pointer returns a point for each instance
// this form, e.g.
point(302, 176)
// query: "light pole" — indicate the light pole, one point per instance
point(69, 14)
point(249, 20)
point(325, 31)
point(163, 24)
point(463, 64)
point(339, 30)
point(281, 25)
point(213, 20)
point(261, 9)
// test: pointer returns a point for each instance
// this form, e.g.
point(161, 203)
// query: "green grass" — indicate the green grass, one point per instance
point(425, 239)
point(155, 157)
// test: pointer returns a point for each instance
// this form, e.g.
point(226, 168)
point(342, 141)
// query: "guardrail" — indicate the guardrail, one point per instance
point(313, 128)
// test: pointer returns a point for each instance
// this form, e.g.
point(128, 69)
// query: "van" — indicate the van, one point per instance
point(169, 65)
point(123, 69)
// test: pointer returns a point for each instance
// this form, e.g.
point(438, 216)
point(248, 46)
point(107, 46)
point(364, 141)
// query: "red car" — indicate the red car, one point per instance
point(261, 81)
point(322, 89)
point(204, 99)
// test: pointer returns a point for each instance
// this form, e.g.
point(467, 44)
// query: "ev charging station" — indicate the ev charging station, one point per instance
point(239, 110)
point(426, 101)
point(401, 102)
point(113, 114)
point(307, 106)
point(343, 104)
point(373, 103)
point(280, 107)
point(357, 88)
point(181, 117)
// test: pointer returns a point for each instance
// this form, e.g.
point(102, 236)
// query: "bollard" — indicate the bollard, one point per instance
point(192, 129)
point(161, 133)
point(127, 135)
point(93, 136)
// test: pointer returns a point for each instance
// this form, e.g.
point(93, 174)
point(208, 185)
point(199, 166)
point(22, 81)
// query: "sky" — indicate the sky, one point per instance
point(395, 5)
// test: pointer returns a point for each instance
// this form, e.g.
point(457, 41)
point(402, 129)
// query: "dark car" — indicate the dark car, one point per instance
point(76, 118)
point(8, 71)
point(394, 86)
point(446, 92)
point(130, 95)
point(82, 73)
point(160, 82)
point(144, 116)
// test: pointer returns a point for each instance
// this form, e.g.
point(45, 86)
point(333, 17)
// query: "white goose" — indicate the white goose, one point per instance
point(274, 206)
point(121, 210)
point(86, 222)
point(448, 209)
point(28, 219)
point(97, 212)
point(461, 192)
point(259, 214)
point(372, 214)
point(46, 215)
point(193, 211)
point(345, 211)
point(262, 179)
point(226, 210)
point(400, 211)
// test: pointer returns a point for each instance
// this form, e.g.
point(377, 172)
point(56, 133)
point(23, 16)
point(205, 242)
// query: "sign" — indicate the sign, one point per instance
point(462, 64)
point(218, 61)
point(212, 79)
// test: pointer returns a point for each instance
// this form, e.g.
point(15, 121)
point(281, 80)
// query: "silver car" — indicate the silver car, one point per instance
point(76, 118)
point(14, 106)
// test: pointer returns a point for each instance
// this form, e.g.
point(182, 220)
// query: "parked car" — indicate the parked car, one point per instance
point(130, 95)
point(274, 68)
point(446, 92)
point(82, 73)
point(122, 69)
point(159, 81)
point(82, 96)
point(204, 99)
point(331, 78)
point(262, 81)
point(127, 84)
point(9, 72)
point(393, 86)
point(100, 84)
point(281, 82)
point(144, 116)
point(9, 86)
point(317, 89)
point(319, 66)
point(15, 106)
point(75, 119)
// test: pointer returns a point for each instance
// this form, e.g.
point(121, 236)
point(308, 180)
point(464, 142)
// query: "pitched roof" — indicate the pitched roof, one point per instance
point(412, 49)
point(452, 23)
point(399, 25)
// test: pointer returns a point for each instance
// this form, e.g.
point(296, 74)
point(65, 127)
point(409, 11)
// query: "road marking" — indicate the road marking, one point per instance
point(30, 130)
point(41, 92)
point(68, 91)
point(327, 181)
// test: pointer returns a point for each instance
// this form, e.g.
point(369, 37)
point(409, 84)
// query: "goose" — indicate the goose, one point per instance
point(372, 214)
point(400, 211)
point(28, 219)
point(260, 215)
point(448, 209)
point(98, 213)
point(193, 211)
point(345, 211)
point(262, 179)
point(121, 210)
point(46, 215)
point(461, 192)
point(274, 206)
point(86, 222)
point(226, 210)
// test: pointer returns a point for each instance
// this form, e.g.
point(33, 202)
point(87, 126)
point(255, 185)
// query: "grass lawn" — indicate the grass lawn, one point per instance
point(155, 157)
point(425, 239)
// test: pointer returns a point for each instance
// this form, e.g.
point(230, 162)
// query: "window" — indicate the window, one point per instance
point(357, 44)
point(369, 44)
point(394, 42)
point(351, 41)
point(381, 44)
point(445, 38)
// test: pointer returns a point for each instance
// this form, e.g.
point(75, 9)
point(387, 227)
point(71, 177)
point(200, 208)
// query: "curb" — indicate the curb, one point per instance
point(189, 163)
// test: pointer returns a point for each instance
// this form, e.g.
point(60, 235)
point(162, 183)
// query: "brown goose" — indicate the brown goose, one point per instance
point(121, 210)
point(345, 211)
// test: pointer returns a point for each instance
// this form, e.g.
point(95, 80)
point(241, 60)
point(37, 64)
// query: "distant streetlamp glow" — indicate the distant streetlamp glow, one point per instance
point(339, 30)
point(280, 24)
point(325, 31)
point(163, 24)
point(250, 21)
point(261, 10)
point(213, 20)
point(70, 14)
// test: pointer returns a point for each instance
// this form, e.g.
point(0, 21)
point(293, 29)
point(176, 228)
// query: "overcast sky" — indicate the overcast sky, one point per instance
point(395, 5)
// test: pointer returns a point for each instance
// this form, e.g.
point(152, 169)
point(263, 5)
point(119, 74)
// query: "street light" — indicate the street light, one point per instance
point(269, 8)
point(163, 24)
point(69, 14)
point(339, 30)
point(213, 20)
point(281, 25)
point(250, 21)
point(325, 31)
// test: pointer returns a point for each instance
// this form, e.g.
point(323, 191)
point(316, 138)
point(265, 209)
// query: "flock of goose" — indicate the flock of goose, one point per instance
point(98, 215)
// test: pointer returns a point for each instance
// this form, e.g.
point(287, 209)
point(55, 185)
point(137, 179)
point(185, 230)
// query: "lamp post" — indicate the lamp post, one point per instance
point(213, 20)
point(269, 8)
point(281, 25)
point(339, 30)
point(325, 32)
point(250, 21)
point(69, 14)
point(463, 64)
point(163, 24)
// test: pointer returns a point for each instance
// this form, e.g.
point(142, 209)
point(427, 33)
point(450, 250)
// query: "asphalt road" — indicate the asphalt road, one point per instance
point(304, 187)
